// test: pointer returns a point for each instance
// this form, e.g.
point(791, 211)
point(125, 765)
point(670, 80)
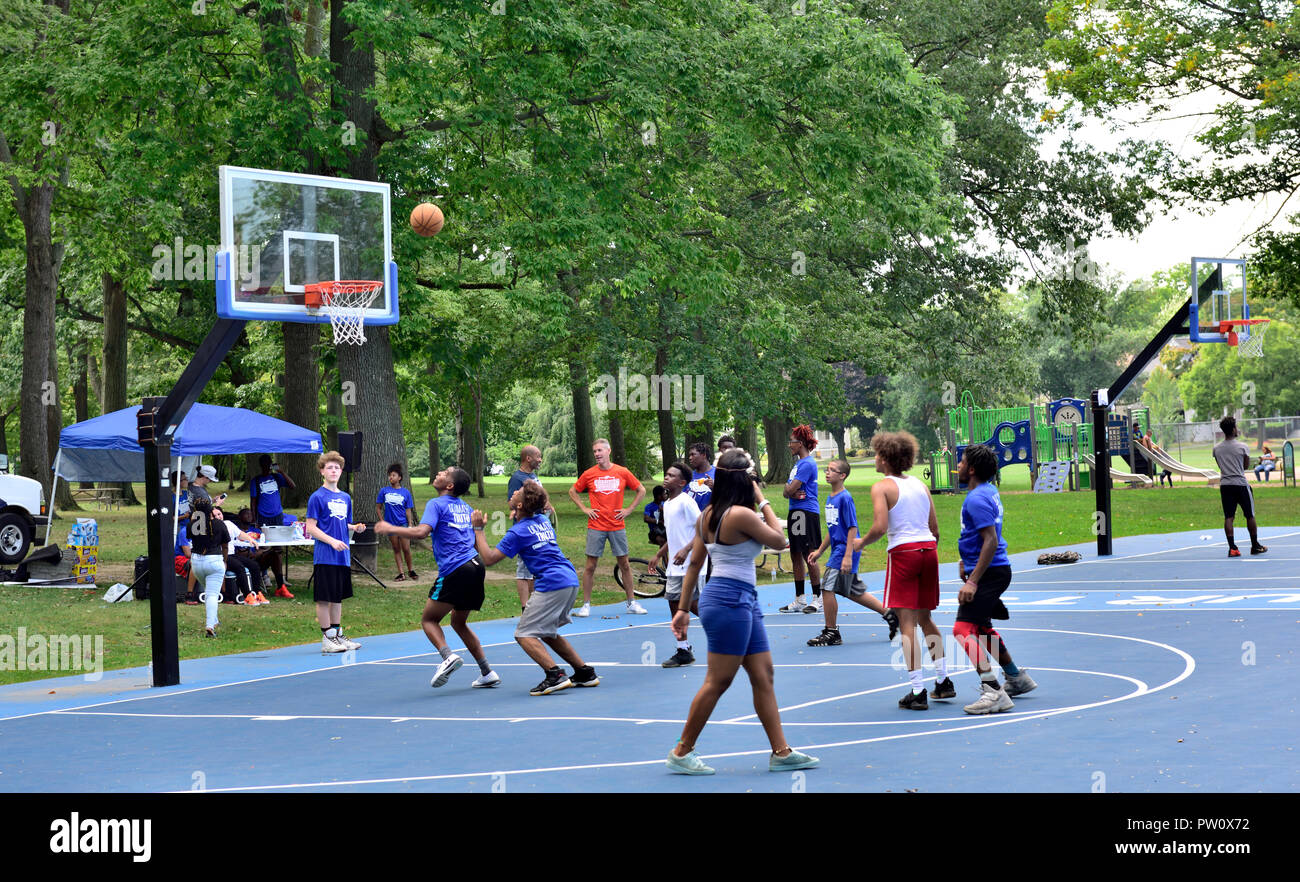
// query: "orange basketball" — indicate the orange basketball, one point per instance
point(426, 219)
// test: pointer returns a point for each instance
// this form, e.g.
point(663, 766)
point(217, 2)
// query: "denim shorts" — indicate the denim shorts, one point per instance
point(732, 619)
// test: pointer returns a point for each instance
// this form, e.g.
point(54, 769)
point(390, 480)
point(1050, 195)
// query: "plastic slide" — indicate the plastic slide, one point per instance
point(1160, 458)
point(1116, 474)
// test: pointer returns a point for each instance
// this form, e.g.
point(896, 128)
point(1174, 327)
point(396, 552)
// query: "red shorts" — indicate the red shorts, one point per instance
point(912, 576)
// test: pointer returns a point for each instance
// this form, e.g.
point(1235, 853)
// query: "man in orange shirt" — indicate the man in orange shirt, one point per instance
point(604, 484)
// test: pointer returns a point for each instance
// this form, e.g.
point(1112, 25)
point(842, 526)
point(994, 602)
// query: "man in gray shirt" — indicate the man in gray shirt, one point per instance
point(1233, 457)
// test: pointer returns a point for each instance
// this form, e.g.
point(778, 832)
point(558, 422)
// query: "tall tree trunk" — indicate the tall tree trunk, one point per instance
point(376, 411)
point(584, 432)
point(114, 354)
point(435, 455)
point(96, 380)
point(301, 407)
point(334, 410)
point(617, 443)
point(837, 434)
point(747, 438)
point(664, 416)
point(776, 433)
point(80, 384)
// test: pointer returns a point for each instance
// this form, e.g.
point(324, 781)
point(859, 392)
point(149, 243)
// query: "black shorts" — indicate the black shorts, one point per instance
point(462, 587)
point(331, 583)
point(1235, 495)
point(275, 520)
point(804, 529)
point(987, 604)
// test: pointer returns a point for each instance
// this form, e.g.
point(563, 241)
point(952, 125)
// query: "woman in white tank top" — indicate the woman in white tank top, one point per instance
point(903, 510)
point(732, 533)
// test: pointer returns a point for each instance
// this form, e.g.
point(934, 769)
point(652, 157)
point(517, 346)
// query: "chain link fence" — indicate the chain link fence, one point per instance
point(1192, 443)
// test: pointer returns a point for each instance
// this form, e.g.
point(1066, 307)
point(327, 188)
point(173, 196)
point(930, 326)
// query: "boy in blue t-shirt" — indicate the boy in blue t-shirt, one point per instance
point(803, 523)
point(395, 505)
point(556, 588)
point(842, 569)
point(458, 590)
point(653, 515)
point(329, 516)
point(985, 571)
point(699, 458)
point(264, 492)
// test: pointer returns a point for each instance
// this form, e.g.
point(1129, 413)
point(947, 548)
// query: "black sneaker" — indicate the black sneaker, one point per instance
point(554, 682)
point(944, 689)
point(681, 658)
point(891, 619)
point(411, 575)
point(828, 637)
point(913, 701)
point(584, 676)
point(1258, 549)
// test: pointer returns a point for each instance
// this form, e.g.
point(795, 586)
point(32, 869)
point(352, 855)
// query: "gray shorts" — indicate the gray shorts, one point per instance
point(673, 590)
point(596, 542)
point(546, 613)
point(521, 571)
point(834, 581)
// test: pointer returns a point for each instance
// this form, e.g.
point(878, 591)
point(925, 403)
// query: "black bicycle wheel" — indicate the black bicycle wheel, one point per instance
point(645, 583)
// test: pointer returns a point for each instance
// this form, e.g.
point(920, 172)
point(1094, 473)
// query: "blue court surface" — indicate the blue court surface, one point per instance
point(1167, 667)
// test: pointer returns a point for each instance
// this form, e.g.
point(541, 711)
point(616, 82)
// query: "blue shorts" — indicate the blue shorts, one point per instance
point(732, 619)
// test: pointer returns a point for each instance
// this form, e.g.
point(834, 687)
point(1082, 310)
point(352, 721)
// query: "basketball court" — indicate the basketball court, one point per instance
point(1163, 668)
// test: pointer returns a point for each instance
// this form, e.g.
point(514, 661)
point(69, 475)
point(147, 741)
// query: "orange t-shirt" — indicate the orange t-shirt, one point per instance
point(604, 489)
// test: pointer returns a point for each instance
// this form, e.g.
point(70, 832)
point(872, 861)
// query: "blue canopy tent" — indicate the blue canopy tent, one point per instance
point(105, 448)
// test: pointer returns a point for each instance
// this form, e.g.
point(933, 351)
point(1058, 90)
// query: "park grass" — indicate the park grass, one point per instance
point(1032, 521)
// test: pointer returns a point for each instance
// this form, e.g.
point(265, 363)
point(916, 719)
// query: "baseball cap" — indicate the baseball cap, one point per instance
point(208, 472)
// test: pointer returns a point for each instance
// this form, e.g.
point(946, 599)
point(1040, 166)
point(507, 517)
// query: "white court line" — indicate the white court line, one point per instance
point(332, 667)
point(1189, 666)
point(1139, 684)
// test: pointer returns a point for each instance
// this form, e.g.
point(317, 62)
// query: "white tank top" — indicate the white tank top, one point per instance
point(909, 519)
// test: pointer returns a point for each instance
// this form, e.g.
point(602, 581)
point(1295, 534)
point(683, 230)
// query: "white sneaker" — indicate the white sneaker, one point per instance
point(347, 643)
point(450, 665)
point(330, 645)
point(815, 606)
point(797, 606)
point(992, 700)
point(583, 611)
point(487, 681)
point(1019, 684)
point(635, 608)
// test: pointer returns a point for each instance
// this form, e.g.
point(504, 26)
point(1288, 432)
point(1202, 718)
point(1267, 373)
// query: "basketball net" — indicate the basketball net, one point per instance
point(1250, 339)
point(345, 303)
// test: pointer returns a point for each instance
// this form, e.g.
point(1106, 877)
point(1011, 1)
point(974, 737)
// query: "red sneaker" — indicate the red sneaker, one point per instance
point(1234, 552)
point(283, 591)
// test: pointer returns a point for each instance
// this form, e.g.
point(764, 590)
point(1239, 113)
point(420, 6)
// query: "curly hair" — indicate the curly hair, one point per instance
point(328, 457)
point(897, 449)
point(534, 498)
point(804, 435)
point(982, 461)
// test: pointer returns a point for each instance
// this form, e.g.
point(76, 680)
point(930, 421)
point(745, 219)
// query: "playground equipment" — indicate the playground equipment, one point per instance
point(1052, 439)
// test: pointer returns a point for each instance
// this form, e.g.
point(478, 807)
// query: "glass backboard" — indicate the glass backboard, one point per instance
point(282, 231)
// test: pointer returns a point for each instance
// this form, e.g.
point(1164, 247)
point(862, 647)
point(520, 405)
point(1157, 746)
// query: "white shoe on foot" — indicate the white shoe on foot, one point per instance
point(1019, 684)
point(583, 611)
point(331, 645)
point(450, 665)
point(487, 681)
point(797, 606)
point(635, 608)
point(993, 699)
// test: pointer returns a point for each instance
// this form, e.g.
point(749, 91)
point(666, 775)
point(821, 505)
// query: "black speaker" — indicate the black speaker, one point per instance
point(350, 447)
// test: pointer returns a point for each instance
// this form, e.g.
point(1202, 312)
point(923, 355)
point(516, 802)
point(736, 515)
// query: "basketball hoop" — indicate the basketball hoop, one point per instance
point(345, 303)
point(1250, 339)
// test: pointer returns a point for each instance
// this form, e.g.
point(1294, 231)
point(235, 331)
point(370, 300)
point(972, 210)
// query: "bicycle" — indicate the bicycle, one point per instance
point(645, 583)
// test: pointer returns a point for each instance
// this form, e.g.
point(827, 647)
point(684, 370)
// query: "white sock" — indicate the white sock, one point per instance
point(941, 663)
point(918, 686)
point(682, 644)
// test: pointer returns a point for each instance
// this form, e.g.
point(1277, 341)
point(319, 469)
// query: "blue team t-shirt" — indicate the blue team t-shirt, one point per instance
point(266, 494)
point(981, 508)
point(453, 531)
point(182, 539)
point(653, 509)
point(703, 495)
point(533, 539)
point(395, 502)
point(841, 516)
point(805, 471)
point(332, 510)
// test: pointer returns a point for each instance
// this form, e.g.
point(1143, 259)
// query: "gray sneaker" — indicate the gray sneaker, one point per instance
point(791, 761)
point(691, 764)
point(1019, 684)
point(992, 700)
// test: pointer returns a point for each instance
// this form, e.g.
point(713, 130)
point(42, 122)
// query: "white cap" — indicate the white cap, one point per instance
point(208, 472)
